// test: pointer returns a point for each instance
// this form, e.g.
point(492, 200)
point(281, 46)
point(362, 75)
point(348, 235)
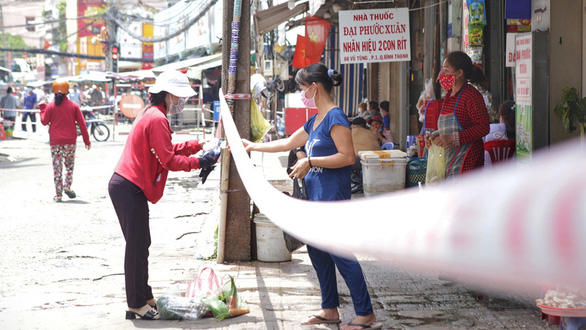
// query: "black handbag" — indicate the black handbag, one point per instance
point(300, 192)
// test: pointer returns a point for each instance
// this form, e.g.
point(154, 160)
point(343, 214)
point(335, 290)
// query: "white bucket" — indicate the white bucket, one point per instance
point(270, 244)
point(381, 175)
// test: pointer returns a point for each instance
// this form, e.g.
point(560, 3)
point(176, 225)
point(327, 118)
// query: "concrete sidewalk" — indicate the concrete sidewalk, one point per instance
point(81, 285)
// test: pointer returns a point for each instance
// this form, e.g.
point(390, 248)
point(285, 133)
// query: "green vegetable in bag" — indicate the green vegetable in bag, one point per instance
point(218, 307)
point(259, 126)
point(436, 165)
point(233, 300)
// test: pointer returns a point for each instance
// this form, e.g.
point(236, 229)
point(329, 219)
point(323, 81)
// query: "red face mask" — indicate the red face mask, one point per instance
point(447, 80)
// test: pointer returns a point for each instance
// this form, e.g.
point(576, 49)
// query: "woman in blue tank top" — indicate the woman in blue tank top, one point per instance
point(330, 153)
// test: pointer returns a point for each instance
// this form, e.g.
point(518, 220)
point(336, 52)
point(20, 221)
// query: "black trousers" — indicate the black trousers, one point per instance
point(132, 210)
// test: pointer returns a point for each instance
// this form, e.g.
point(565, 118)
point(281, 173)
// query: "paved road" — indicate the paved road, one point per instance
point(62, 264)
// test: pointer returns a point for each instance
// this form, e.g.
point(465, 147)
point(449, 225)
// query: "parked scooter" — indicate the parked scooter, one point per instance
point(96, 127)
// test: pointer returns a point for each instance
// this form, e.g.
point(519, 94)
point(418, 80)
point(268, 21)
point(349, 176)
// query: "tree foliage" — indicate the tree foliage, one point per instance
point(571, 110)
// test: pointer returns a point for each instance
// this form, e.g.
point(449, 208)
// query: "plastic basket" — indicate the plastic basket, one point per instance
point(416, 170)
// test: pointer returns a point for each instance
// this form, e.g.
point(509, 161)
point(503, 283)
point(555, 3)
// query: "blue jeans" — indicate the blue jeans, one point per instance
point(325, 264)
point(33, 117)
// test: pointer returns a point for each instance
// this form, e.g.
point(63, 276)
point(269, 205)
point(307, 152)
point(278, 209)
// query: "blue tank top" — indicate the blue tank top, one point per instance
point(326, 184)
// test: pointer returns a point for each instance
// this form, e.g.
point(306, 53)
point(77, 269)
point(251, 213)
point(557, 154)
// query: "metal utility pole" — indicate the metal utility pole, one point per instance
point(237, 223)
point(110, 37)
point(5, 55)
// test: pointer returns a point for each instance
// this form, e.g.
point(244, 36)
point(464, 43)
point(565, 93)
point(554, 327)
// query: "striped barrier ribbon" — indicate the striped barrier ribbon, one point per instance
point(39, 110)
point(518, 224)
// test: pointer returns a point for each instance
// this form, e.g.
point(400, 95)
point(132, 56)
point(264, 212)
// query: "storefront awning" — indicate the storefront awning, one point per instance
point(195, 71)
point(269, 19)
point(186, 64)
point(140, 74)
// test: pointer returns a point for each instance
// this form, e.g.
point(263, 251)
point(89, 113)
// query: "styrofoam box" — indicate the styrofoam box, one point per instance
point(382, 174)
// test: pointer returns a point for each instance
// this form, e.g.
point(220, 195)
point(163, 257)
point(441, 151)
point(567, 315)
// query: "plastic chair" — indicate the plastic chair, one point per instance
point(500, 150)
point(388, 146)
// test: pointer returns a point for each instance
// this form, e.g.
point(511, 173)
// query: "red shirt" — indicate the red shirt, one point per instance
point(149, 155)
point(473, 116)
point(62, 119)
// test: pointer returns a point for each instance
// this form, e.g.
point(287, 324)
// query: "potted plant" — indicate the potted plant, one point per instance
point(572, 111)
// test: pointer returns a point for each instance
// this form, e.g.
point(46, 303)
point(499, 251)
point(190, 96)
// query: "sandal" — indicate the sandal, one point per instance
point(57, 199)
point(150, 315)
point(320, 320)
point(366, 326)
point(70, 193)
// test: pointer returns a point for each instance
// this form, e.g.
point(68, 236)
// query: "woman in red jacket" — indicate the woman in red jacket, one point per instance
point(140, 176)
point(62, 116)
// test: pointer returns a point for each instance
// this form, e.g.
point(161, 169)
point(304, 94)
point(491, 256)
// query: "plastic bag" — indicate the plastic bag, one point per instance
point(233, 300)
point(299, 192)
point(259, 126)
point(476, 11)
point(436, 165)
point(206, 284)
point(181, 308)
point(229, 303)
point(426, 95)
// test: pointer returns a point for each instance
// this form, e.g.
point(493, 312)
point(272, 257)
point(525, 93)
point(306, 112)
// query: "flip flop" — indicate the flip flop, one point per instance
point(150, 315)
point(321, 320)
point(70, 193)
point(366, 326)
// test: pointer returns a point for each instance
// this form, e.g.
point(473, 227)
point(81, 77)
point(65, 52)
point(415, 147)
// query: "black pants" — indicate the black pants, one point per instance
point(132, 210)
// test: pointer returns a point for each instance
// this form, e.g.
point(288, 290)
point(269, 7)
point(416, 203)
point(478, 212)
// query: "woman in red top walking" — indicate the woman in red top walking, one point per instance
point(140, 176)
point(463, 120)
point(62, 116)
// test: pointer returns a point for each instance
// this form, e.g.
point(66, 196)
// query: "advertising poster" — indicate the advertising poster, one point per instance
point(89, 26)
point(377, 35)
point(524, 94)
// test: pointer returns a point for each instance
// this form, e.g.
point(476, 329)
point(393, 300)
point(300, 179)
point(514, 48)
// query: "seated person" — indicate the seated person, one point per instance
point(373, 109)
point(384, 109)
point(504, 130)
point(376, 126)
point(363, 140)
point(363, 111)
point(362, 137)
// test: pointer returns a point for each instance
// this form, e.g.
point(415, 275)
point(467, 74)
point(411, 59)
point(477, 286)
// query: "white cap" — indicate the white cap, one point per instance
point(173, 82)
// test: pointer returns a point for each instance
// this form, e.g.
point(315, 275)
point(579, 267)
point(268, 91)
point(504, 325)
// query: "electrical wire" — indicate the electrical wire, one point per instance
point(122, 25)
point(52, 21)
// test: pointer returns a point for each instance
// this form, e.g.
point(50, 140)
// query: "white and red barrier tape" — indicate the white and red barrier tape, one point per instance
point(515, 224)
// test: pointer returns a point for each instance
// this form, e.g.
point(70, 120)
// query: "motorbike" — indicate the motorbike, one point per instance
point(96, 127)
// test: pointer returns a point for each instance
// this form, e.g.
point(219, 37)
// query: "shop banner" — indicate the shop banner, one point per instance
point(510, 50)
point(524, 93)
point(377, 35)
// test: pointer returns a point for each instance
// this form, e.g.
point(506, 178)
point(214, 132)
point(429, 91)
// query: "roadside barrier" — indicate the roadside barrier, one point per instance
point(515, 224)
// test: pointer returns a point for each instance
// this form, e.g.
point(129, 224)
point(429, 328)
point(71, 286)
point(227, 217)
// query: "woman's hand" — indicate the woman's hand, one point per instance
point(249, 146)
point(444, 141)
point(428, 139)
point(202, 142)
point(300, 169)
point(88, 146)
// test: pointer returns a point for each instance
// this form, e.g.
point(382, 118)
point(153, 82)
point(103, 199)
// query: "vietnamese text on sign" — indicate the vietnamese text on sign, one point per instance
point(380, 35)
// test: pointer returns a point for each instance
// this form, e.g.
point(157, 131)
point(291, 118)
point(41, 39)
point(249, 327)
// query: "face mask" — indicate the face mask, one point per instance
point(447, 80)
point(310, 103)
point(177, 108)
